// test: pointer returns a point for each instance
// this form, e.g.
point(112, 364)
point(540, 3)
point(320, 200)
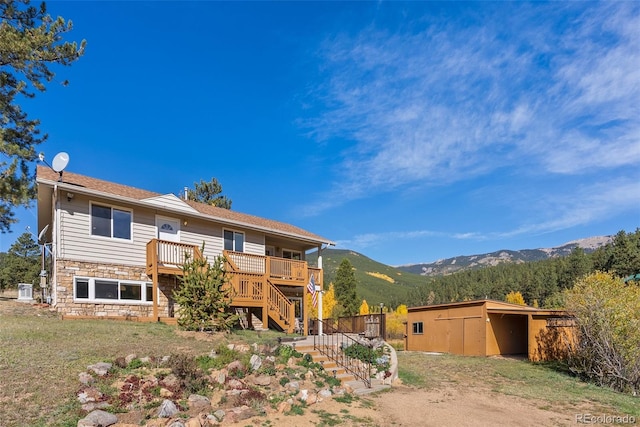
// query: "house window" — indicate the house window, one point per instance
point(102, 290)
point(233, 241)
point(291, 254)
point(418, 328)
point(110, 222)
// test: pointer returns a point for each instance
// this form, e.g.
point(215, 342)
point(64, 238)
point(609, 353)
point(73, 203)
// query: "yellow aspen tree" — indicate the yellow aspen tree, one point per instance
point(328, 304)
point(515, 298)
point(364, 307)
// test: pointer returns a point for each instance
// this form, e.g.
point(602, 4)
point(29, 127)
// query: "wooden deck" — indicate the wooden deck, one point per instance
point(258, 281)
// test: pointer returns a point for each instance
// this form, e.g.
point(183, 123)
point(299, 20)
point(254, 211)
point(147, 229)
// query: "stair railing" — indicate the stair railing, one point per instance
point(332, 344)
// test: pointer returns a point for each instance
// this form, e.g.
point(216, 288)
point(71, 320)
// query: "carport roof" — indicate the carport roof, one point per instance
point(493, 306)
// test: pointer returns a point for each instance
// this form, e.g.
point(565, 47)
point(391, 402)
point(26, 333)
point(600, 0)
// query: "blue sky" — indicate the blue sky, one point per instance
point(408, 132)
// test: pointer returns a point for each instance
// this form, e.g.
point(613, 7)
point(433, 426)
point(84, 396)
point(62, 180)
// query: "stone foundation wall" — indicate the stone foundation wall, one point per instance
point(66, 270)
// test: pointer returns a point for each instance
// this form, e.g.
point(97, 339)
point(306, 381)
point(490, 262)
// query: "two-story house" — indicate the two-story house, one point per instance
point(117, 252)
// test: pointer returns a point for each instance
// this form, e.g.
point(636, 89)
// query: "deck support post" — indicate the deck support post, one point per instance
point(265, 312)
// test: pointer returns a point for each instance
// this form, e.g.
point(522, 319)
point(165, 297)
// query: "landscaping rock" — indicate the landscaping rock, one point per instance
point(220, 414)
point(89, 394)
point(312, 399)
point(85, 378)
point(284, 407)
point(255, 362)
point(262, 380)
point(120, 362)
point(92, 406)
point(98, 418)
point(235, 384)
point(242, 348)
point(220, 377)
point(194, 422)
point(167, 409)
point(101, 368)
point(171, 381)
point(197, 401)
point(130, 358)
point(325, 393)
point(240, 413)
point(176, 423)
point(235, 365)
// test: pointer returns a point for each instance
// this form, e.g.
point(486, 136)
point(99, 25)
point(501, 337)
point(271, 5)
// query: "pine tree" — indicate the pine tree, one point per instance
point(30, 42)
point(209, 193)
point(345, 288)
point(21, 264)
point(204, 296)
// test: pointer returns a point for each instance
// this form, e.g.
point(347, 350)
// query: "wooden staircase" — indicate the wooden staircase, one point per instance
point(329, 365)
point(279, 308)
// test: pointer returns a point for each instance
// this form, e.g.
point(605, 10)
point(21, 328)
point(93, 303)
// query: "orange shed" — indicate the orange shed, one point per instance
point(489, 328)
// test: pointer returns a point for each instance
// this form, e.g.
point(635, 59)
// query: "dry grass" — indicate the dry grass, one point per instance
point(41, 357)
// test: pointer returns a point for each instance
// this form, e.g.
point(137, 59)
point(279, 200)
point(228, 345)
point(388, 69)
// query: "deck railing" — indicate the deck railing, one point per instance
point(279, 304)
point(248, 287)
point(281, 270)
point(170, 254)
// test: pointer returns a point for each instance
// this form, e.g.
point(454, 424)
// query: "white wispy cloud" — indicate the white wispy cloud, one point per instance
point(582, 206)
point(549, 87)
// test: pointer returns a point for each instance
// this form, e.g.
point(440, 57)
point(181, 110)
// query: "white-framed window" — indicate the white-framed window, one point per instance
point(107, 221)
point(93, 289)
point(291, 254)
point(233, 241)
point(418, 328)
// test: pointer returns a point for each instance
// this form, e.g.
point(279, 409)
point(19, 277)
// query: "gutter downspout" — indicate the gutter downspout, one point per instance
point(54, 246)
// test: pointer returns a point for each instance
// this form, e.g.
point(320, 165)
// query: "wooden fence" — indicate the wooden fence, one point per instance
point(361, 324)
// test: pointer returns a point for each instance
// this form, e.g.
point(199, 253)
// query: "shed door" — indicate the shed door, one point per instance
point(473, 337)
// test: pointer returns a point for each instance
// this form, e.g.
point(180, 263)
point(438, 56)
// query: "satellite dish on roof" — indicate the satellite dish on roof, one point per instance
point(60, 161)
point(42, 233)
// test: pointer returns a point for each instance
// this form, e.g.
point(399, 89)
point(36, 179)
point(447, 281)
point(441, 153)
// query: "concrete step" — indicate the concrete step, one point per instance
point(329, 365)
point(358, 387)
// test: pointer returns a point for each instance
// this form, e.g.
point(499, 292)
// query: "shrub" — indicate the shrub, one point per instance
point(607, 313)
point(204, 296)
point(185, 367)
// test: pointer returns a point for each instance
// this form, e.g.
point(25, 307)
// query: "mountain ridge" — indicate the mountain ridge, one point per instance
point(470, 262)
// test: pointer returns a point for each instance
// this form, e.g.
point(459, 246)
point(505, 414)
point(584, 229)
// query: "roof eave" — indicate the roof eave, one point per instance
point(143, 203)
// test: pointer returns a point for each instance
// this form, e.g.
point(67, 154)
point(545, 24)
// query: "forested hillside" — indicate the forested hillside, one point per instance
point(540, 282)
point(376, 282)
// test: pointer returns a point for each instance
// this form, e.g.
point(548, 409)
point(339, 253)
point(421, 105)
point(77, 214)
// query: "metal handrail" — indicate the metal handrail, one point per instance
point(332, 344)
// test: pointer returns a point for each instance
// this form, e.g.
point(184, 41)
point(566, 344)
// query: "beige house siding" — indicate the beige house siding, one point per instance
point(76, 241)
